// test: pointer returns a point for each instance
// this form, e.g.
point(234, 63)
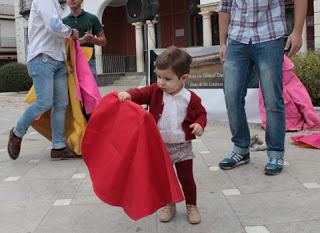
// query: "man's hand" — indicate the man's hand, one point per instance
point(294, 43)
point(197, 129)
point(87, 38)
point(222, 53)
point(74, 34)
point(123, 96)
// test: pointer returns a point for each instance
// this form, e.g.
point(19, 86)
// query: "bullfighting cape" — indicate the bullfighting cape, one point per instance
point(75, 121)
point(128, 162)
point(300, 113)
point(307, 140)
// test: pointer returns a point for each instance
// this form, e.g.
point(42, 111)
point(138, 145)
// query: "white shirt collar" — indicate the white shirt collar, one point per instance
point(184, 93)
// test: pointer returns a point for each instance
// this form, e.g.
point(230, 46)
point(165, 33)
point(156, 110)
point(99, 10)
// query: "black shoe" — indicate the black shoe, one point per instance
point(64, 154)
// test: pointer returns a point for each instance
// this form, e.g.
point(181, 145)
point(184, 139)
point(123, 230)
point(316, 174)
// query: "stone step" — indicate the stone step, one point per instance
point(131, 81)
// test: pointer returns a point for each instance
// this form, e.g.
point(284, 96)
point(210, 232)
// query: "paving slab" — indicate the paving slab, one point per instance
point(93, 218)
point(276, 207)
point(22, 216)
point(296, 227)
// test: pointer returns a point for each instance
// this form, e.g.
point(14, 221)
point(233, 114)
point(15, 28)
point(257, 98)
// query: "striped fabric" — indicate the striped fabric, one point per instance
point(236, 157)
point(275, 161)
point(255, 20)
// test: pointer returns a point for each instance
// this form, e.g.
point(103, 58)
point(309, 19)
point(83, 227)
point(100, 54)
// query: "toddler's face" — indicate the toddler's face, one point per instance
point(169, 82)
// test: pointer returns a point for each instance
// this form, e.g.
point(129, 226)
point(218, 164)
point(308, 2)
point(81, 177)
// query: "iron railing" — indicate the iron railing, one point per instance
point(108, 64)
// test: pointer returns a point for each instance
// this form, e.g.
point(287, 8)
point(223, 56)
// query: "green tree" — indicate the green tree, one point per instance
point(14, 77)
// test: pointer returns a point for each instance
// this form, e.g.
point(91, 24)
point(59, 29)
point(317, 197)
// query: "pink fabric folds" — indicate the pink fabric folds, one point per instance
point(312, 140)
point(300, 113)
point(87, 89)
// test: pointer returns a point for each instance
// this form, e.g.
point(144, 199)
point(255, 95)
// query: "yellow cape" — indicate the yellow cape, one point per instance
point(75, 121)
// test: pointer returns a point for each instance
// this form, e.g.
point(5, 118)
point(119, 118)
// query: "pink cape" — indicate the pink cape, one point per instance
point(311, 140)
point(300, 113)
point(87, 90)
point(128, 162)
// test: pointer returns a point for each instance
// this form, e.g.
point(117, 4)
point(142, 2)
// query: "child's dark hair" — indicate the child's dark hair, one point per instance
point(176, 59)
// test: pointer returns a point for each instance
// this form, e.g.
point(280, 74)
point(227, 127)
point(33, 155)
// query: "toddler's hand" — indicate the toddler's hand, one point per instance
point(123, 95)
point(197, 129)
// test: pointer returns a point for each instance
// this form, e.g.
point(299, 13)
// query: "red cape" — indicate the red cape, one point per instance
point(127, 159)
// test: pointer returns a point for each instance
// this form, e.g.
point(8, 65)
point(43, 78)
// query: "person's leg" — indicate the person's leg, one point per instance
point(60, 150)
point(41, 70)
point(269, 61)
point(93, 67)
point(185, 175)
point(60, 102)
point(236, 70)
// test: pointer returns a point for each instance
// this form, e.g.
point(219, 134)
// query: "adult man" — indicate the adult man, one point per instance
point(89, 26)
point(46, 56)
point(255, 31)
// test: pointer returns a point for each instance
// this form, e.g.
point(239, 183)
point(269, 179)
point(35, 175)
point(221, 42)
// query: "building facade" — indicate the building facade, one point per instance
point(183, 23)
point(8, 50)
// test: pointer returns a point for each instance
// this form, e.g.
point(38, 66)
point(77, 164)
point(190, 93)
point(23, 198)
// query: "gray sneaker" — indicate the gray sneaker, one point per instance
point(274, 166)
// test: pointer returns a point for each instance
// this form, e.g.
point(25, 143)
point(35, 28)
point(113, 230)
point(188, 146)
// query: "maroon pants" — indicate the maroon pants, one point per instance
point(185, 176)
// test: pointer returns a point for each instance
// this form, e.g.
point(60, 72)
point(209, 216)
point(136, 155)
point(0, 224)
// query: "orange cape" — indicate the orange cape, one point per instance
point(75, 121)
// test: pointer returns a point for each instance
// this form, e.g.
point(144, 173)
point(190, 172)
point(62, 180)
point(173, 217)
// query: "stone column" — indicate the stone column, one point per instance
point(206, 10)
point(21, 25)
point(151, 34)
point(316, 6)
point(207, 28)
point(139, 46)
point(98, 54)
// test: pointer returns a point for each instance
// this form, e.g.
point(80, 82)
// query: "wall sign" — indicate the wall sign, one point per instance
point(206, 79)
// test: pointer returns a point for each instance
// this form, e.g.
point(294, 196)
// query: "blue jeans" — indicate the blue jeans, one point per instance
point(49, 78)
point(267, 57)
point(93, 67)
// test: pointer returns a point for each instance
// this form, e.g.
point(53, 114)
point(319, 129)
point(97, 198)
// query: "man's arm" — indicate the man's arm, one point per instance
point(50, 17)
point(295, 39)
point(224, 20)
point(100, 39)
point(97, 36)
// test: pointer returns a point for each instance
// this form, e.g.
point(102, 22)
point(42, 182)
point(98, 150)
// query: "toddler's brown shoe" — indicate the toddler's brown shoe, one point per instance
point(193, 214)
point(167, 213)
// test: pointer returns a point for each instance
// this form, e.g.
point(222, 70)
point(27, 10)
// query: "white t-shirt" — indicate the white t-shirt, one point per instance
point(174, 113)
point(46, 32)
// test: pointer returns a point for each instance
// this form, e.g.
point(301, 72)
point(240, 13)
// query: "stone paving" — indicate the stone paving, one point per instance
point(38, 195)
